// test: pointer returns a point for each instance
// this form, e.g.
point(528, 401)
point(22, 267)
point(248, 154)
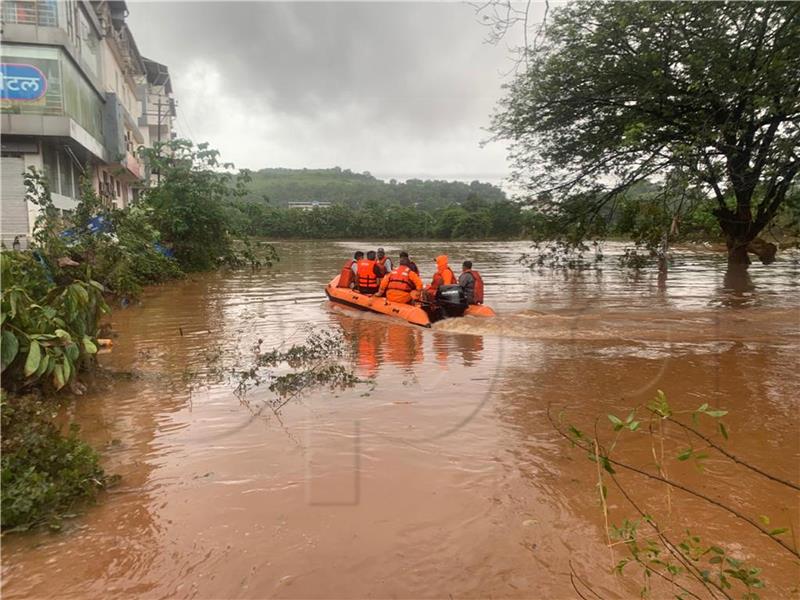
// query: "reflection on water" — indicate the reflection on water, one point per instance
point(442, 476)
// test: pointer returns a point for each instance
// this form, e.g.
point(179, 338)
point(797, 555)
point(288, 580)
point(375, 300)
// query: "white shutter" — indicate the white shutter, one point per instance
point(13, 210)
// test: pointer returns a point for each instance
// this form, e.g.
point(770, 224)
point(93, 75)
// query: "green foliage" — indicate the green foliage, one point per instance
point(342, 186)
point(44, 474)
point(189, 204)
point(619, 91)
point(122, 256)
point(48, 330)
point(500, 220)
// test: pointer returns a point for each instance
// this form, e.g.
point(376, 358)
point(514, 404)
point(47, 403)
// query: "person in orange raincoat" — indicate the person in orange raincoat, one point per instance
point(444, 276)
point(400, 283)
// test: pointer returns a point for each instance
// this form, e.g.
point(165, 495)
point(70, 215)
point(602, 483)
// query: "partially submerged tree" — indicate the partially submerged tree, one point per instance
point(618, 92)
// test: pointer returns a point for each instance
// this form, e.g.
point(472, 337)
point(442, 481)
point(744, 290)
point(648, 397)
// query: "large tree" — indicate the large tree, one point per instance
point(619, 91)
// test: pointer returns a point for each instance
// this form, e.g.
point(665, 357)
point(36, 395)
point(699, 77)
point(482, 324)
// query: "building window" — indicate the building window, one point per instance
point(63, 175)
point(31, 12)
point(50, 160)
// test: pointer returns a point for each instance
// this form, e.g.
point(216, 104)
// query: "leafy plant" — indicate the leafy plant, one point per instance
point(693, 567)
point(189, 202)
point(44, 474)
point(48, 330)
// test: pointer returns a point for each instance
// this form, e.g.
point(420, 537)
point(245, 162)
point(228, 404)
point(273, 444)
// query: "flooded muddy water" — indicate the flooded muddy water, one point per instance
point(444, 477)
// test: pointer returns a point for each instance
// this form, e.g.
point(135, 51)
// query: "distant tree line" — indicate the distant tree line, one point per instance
point(342, 186)
point(474, 219)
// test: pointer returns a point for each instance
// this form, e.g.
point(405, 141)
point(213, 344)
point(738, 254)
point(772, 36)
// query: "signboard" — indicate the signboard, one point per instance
point(24, 83)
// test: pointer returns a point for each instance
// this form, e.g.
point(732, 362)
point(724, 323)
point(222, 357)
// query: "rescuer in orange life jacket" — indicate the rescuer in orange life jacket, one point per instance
point(402, 284)
point(347, 278)
point(411, 264)
point(472, 284)
point(367, 274)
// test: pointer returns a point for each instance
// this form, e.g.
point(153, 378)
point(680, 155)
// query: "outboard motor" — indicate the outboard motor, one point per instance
point(451, 300)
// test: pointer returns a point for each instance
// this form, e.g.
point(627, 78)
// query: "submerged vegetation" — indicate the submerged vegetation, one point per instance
point(658, 545)
point(322, 360)
point(45, 474)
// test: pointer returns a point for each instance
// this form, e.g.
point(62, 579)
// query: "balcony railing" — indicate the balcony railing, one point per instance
point(30, 12)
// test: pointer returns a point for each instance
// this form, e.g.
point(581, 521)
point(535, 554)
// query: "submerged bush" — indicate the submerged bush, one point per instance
point(44, 474)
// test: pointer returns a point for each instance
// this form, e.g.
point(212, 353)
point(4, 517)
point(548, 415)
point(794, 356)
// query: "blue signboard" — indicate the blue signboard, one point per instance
point(21, 82)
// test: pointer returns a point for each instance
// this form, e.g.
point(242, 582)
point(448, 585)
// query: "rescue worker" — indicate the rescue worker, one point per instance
point(444, 274)
point(384, 262)
point(347, 278)
point(472, 283)
point(411, 264)
point(367, 274)
point(401, 284)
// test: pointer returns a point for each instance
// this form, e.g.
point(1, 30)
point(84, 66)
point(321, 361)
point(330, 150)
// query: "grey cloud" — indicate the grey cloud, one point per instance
point(418, 72)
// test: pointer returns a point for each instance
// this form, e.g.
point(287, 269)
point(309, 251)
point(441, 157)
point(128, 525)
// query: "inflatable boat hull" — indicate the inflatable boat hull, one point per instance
point(409, 312)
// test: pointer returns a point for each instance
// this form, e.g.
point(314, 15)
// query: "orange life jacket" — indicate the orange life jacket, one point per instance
point(477, 293)
point(346, 278)
point(366, 274)
point(399, 280)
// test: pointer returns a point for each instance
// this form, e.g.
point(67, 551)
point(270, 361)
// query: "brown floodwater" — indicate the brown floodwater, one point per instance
point(443, 477)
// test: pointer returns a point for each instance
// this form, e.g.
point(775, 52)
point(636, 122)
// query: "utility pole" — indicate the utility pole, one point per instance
point(164, 110)
point(158, 135)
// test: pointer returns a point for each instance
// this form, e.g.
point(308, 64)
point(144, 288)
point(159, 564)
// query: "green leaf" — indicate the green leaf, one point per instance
point(81, 292)
point(63, 335)
point(607, 465)
point(716, 413)
point(634, 425)
point(72, 351)
point(717, 550)
point(67, 369)
point(58, 377)
point(764, 519)
point(723, 430)
point(576, 432)
point(715, 560)
point(44, 366)
point(88, 345)
point(779, 531)
point(703, 407)
point(10, 348)
point(685, 454)
point(616, 421)
point(34, 358)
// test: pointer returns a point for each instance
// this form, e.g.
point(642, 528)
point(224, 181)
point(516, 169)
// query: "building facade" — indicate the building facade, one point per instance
point(74, 103)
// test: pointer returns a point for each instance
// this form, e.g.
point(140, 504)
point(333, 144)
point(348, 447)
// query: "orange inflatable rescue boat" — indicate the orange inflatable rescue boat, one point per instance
point(416, 313)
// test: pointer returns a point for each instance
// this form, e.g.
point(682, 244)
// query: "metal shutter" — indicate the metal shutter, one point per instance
point(13, 209)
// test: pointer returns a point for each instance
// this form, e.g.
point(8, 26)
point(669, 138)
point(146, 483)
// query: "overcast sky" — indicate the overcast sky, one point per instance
point(398, 89)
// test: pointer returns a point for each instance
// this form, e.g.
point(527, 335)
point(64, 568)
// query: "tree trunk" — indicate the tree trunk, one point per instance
point(737, 252)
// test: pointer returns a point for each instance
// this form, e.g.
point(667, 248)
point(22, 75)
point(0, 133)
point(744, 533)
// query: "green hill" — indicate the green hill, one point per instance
point(342, 186)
